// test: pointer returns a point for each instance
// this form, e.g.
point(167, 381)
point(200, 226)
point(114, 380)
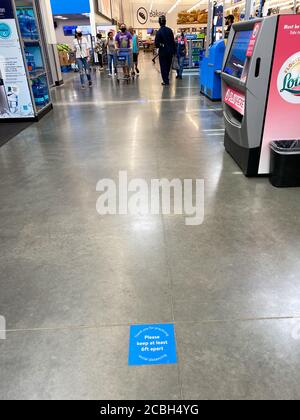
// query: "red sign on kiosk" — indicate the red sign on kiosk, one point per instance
point(235, 100)
point(253, 39)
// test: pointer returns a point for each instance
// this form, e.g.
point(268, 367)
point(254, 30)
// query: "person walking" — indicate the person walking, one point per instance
point(123, 45)
point(156, 54)
point(165, 41)
point(229, 21)
point(111, 53)
point(82, 51)
point(99, 49)
point(182, 53)
point(135, 49)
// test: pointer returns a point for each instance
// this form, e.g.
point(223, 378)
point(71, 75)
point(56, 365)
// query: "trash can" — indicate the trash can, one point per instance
point(285, 163)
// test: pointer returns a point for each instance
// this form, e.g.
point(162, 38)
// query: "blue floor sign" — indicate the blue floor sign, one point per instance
point(152, 344)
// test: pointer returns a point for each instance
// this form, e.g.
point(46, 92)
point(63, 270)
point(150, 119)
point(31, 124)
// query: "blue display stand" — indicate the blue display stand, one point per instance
point(210, 72)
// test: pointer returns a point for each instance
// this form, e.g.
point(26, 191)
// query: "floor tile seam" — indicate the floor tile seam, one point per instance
point(179, 322)
point(192, 299)
point(133, 102)
point(170, 275)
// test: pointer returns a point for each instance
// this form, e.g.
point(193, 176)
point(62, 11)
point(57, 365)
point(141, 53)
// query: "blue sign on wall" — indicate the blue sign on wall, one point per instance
point(69, 7)
point(153, 344)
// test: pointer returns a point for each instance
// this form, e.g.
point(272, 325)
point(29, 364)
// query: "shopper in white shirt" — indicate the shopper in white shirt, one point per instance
point(82, 50)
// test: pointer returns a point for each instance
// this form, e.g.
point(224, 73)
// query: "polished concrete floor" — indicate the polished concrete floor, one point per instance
point(72, 282)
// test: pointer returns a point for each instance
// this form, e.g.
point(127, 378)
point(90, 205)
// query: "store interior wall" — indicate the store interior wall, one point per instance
point(161, 7)
point(59, 30)
point(285, 7)
point(100, 20)
point(96, 18)
point(127, 9)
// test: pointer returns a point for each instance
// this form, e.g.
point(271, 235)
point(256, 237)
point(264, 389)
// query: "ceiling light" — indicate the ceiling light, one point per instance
point(196, 5)
point(287, 3)
point(174, 6)
point(61, 17)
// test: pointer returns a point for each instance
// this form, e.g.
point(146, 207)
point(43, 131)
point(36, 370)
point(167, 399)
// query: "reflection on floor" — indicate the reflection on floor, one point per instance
point(72, 282)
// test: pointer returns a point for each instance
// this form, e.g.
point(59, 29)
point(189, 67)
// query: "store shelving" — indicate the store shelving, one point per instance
point(195, 52)
point(36, 74)
point(34, 57)
point(271, 7)
point(31, 41)
point(24, 86)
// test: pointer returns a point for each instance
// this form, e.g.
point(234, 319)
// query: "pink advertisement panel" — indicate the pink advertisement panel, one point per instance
point(283, 108)
point(235, 100)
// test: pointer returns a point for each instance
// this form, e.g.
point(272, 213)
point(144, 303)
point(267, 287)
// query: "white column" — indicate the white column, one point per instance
point(209, 26)
point(46, 11)
point(249, 8)
point(93, 18)
point(50, 39)
point(223, 20)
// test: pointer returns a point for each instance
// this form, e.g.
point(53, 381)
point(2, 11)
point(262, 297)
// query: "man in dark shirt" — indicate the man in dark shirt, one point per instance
point(229, 21)
point(166, 43)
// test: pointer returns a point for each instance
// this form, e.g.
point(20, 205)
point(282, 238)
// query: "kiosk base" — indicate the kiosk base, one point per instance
point(208, 95)
point(247, 159)
point(36, 118)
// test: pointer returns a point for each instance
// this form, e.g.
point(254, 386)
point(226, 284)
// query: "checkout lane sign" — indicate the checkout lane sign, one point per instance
point(235, 100)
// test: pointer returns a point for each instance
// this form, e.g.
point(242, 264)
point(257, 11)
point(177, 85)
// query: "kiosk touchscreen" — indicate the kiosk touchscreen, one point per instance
point(261, 89)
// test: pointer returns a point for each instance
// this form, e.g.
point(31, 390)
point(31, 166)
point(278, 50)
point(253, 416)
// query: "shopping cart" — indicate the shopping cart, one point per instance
point(124, 65)
point(72, 60)
point(95, 62)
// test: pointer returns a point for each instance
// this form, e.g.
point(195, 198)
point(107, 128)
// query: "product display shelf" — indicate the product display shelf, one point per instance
point(24, 86)
point(38, 73)
point(34, 57)
point(31, 41)
point(195, 47)
point(42, 108)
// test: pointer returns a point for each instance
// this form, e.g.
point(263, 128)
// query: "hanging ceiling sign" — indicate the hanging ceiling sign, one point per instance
point(62, 7)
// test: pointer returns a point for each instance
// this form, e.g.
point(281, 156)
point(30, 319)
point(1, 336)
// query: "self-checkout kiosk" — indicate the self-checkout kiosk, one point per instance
point(210, 78)
point(261, 89)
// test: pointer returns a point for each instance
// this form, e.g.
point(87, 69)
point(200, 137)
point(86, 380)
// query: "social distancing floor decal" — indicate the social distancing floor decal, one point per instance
point(152, 344)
